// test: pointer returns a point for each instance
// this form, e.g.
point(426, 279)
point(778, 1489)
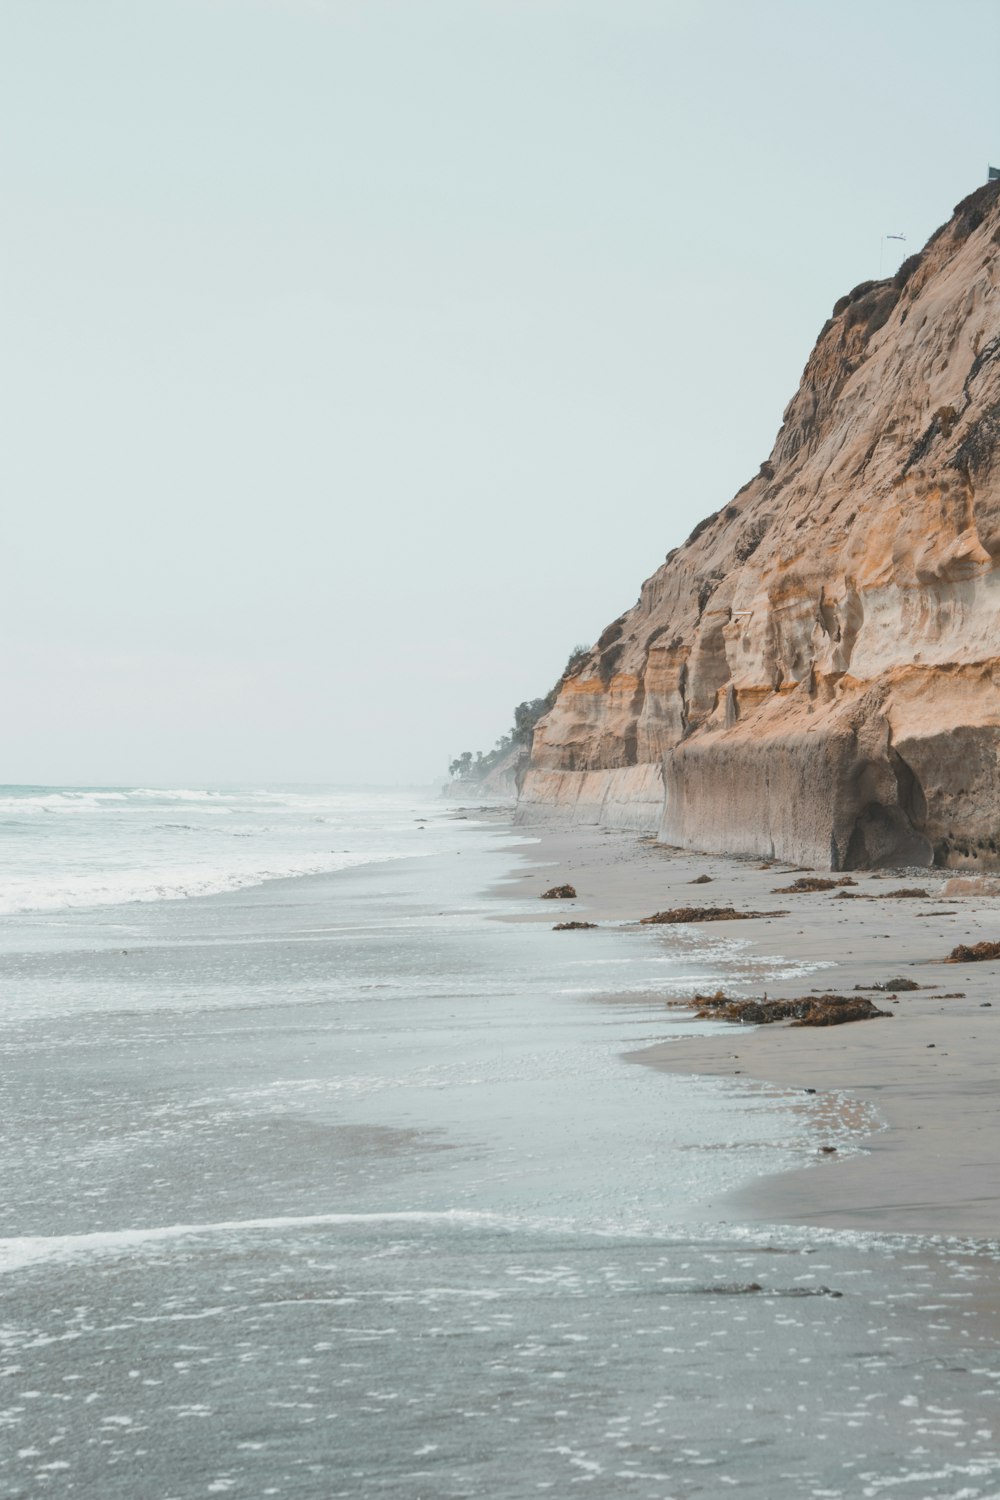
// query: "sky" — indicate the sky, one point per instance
point(360, 358)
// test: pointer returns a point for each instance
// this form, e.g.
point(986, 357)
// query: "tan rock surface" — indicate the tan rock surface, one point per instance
point(817, 669)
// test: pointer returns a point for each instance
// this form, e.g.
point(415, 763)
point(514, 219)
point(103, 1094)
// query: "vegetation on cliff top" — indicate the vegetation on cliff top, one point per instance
point(469, 767)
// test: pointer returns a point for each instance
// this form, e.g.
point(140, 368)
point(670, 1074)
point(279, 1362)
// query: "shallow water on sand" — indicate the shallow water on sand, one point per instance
point(338, 1186)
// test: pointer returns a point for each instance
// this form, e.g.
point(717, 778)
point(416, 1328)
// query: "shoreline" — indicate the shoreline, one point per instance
point(928, 1072)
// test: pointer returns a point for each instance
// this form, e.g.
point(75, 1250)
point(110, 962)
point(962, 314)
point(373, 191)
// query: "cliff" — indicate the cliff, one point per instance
point(498, 785)
point(815, 673)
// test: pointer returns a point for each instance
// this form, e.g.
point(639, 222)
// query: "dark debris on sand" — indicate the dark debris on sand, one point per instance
point(559, 893)
point(974, 953)
point(891, 986)
point(807, 1010)
point(572, 926)
point(811, 883)
point(707, 914)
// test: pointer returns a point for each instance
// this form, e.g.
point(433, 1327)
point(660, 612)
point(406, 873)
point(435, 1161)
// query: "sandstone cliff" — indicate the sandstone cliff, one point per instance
point(816, 672)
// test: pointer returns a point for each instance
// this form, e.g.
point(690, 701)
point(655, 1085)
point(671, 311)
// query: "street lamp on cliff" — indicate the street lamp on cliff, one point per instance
point(881, 252)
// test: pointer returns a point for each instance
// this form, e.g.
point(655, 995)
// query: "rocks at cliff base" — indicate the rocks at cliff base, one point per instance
point(707, 914)
point(559, 893)
point(963, 885)
point(807, 1010)
point(808, 883)
point(573, 926)
point(974, 953)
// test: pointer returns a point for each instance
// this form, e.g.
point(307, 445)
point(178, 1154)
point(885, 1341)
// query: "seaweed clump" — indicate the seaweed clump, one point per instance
point(558, 893)
point(807, 1010)
point(811, 883)
point(707, 914)
point(973, 953)
point(572, 926)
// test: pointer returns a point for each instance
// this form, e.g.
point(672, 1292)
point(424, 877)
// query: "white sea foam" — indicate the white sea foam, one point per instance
point(20, 1252)
point(54, 801)
point(169, 794)
point(79, 847)
point(27, 1250)
point(25, 894)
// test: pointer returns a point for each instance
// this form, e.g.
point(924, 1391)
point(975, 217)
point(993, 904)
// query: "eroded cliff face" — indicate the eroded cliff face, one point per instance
point(816, 672)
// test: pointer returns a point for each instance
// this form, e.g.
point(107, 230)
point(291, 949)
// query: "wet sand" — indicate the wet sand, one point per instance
point(930, 1072)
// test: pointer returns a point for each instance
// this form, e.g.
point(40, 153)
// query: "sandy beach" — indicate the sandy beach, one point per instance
point(929, 1072)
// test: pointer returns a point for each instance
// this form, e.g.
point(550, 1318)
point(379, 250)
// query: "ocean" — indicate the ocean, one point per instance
point(323, 1177)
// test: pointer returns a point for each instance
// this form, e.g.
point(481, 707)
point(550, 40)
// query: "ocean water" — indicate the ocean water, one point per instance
point(323, 1178)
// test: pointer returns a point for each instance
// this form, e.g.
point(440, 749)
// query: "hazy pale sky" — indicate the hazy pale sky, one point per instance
point(361, 357)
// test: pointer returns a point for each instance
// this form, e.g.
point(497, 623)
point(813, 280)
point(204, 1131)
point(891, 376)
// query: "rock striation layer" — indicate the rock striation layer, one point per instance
point(815, 674)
